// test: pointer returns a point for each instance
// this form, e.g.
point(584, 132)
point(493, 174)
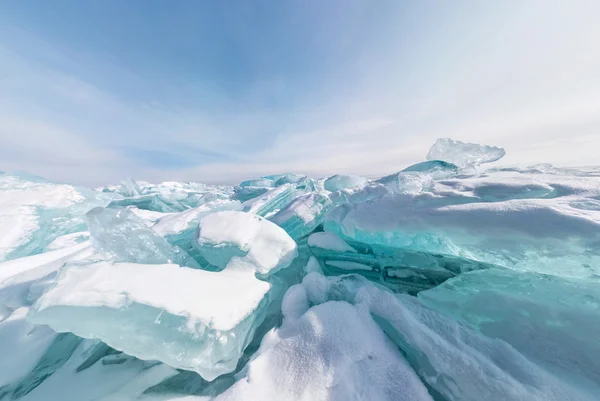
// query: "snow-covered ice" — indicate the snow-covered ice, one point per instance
point(444, 280)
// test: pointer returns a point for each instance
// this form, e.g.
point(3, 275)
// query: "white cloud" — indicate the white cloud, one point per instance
point(520, 74)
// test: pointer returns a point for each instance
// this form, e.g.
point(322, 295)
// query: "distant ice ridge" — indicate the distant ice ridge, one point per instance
point(444, 280)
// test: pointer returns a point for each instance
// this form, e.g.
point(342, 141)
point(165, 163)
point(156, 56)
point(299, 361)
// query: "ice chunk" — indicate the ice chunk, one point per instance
point(22, 345)
point(124, 237)
point(22, 280)
point(177, 223)
point(274, 180)
point(436, 169)
point(459, 364)
point(76, 370)
point(464, 154)
point(532, 312)
point(498, 219)
point(342, 181)
point(303, 214)
point(34, 212)
point(401, 270)
point(245, 239)
point(272, 201)
point(408, 183)
point(333, 351)
point(188, 318)
point(68, 240)
point(244, 194)
point(328, 240)
point(313, 266)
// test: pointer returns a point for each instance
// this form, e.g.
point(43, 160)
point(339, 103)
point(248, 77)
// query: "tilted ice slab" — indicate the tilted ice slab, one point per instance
point(303, 214)
point(456, 362)
point(22, 344)
point(177, 223)
point(548, 224)
point(464, 154)
point(237, 239)
point(329, 241)
point(23, 280)
point(342, 181)
point(34, 212)
point(549, 319)
point(187, 318)
point(272, 201)
point(124, 237)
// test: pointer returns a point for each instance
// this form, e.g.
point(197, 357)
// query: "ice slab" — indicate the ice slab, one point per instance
point(34, 212)
point(122, 236)
point(303, 214)
point(458, 363)
point(272, 201)
point(76, 370)
point(23, 280)
point(408, 182)
point(22, 345)
point(436, 169)
point(547, 318)
point(246, 241)
point(68, 240)
point(177, 223)
point(330, 241)
point(342, 181)
point(464, 154)
point(274, 180)
point(548, 224)
point(188, 318)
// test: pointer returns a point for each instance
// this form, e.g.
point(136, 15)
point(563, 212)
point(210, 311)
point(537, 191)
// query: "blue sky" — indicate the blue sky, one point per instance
point(93, 92)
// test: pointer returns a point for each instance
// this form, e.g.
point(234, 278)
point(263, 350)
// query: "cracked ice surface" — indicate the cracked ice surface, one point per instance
point(440, 281)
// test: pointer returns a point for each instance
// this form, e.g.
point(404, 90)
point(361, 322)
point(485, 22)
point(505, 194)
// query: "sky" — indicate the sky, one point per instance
point(93, 92)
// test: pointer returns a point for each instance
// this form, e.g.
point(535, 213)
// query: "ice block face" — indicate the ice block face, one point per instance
point(187, 318)
point(122, 236)
point(457, 362)
point(303, 214)
point(464, 154)
point(547, 223)
point(547, 318)
point(34, 212)
point(244, 240)
point(437, 169)
point(342, 181)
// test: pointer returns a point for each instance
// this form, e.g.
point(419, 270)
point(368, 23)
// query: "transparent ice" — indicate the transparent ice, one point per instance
point(444, 280)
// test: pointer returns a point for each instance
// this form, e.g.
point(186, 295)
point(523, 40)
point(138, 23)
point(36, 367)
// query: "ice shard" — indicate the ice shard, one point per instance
point(237, 239)
point(303, 214)
point(188, 318)
point(546, 318)
point(122, 236)
point(342, 181)
point(464, 154)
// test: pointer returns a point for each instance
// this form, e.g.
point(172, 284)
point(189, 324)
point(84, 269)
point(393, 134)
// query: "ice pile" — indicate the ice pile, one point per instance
point(443, 281)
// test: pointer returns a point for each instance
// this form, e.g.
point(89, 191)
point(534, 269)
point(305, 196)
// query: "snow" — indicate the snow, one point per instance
point(322, 359)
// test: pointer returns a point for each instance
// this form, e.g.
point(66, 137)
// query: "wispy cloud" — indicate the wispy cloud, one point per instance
point(519, 74)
